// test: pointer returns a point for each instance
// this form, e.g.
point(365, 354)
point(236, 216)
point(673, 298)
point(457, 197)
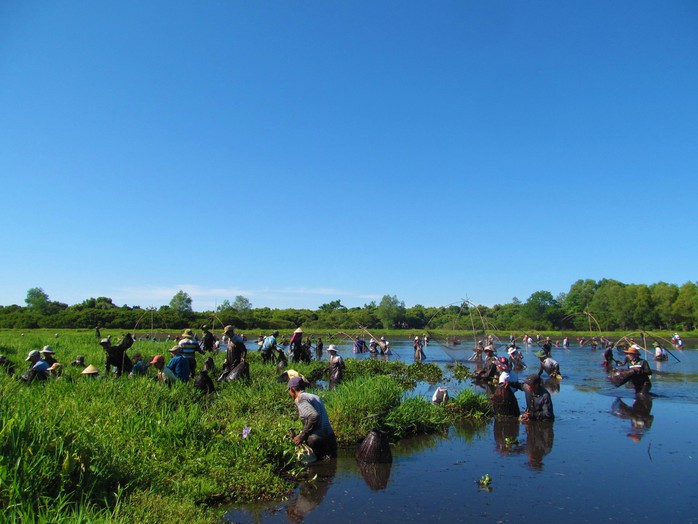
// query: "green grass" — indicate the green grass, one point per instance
point(133, 450)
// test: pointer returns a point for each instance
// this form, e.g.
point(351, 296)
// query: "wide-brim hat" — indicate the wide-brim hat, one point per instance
point(512, 350)
point(541, 354)
point(173, 349)
point(104, 342)
point(632, 350)
point(33, 353)
point(90, 370)
point(298, 330)
point(332, 348)
point(228, 328)
point(48, 350)
point(188, 333)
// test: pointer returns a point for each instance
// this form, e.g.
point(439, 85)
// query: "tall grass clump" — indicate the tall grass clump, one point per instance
point(357, 405)
point(416, 415)
point(469, 404)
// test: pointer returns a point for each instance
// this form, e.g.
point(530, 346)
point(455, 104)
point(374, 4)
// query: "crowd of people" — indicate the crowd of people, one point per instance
point(498, 374)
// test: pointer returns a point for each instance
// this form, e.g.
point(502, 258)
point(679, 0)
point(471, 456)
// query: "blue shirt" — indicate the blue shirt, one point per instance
point(180, 367)
point(41, 365)
point(269, 342)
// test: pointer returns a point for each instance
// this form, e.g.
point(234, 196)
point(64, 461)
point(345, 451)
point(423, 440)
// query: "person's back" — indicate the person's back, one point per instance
point(188, 349)
point(140, 368)
point(310, 405)
point(208, 342)
point(180, 367)
point(551, 366)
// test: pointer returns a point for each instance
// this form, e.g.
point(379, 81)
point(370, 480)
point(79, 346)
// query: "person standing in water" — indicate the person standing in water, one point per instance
point(539, 404)
point(642, 377)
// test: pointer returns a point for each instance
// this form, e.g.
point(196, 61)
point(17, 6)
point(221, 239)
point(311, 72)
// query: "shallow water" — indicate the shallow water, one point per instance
point(605, 458)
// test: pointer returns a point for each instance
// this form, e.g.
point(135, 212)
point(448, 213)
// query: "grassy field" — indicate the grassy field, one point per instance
point(134, 450)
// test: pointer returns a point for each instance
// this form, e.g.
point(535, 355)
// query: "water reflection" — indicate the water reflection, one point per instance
point(539, 442)
point(506, 435)
point(376, 476)
point(310, 494)
point(639, 414)
point(552, 385)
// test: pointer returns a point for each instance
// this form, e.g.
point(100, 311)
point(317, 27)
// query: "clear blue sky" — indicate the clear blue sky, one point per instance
point(301, 152)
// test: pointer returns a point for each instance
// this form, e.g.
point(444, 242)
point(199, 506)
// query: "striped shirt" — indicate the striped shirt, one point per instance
point(313, 415)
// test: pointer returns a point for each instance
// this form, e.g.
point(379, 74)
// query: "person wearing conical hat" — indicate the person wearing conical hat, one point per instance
point(642, 377)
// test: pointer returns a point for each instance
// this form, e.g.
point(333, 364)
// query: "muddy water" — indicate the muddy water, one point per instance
point(607, 457)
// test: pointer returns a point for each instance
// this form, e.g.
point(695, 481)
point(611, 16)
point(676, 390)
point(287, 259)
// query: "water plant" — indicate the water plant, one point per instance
point(485, 481)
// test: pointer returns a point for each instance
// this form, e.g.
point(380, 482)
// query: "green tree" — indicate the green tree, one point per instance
point(579, 296)
point(37, 300)
point(241, 304)
point(642, 311)
point(610, 307)
point(181, 302)
point(539, 309)
point(390, 311)
point(224, 305)
point(686, 306)
point(663, 297)
point(331, 306)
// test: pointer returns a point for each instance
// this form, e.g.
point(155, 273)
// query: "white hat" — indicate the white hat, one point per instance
point(47, 349)
point(32, 353)
point(332, 348)
point(512, 350)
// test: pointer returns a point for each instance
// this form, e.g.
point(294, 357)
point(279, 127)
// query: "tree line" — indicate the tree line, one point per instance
point(608, 305)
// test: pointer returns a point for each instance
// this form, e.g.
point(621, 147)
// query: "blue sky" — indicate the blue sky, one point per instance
point(301, 152)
